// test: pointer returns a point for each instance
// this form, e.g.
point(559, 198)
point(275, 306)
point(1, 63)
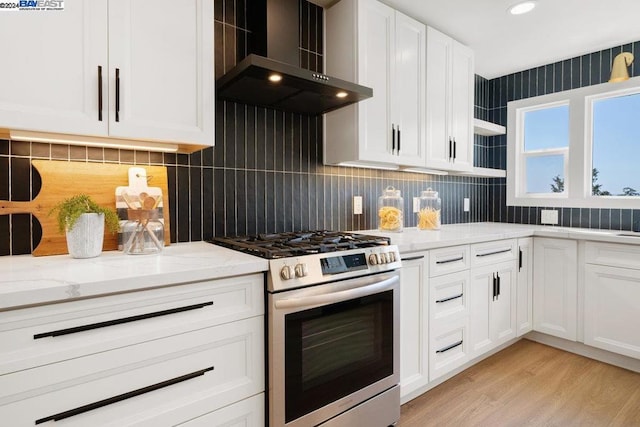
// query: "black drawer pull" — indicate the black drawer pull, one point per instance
point(446, 261)
point(413, 258)
point(95, 405)
point(449, 299)
point(98, 325)
point(501, 251)
point(454, 345)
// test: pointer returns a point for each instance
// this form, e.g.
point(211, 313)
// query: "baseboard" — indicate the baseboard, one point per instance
point(586, 351)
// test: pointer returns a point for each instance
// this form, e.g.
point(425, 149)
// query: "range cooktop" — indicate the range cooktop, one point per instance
point(300, 243)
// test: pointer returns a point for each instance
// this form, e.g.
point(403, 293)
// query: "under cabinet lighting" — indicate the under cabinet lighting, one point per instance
point(522, 8)
point(91, 141)
point(368, 165)
point(275, 78)
point(342, 94)
point(425, 171)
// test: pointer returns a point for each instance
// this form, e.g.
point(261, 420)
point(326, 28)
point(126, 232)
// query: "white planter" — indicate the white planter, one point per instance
point(85, 239)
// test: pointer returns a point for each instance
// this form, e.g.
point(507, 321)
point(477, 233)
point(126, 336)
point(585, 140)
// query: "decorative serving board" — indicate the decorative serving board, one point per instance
point(61, 180)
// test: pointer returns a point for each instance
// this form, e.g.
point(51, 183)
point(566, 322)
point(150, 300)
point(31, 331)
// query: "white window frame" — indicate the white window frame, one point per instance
point(578, 156)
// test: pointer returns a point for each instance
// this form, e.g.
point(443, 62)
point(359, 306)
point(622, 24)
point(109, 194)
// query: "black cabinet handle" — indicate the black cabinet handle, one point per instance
point(413, 258)
point(398, 139)
point(100, 92)
point(494, 286)
point(450, 148)
point(446, 261)
point(442, 350)
point(98, 325)
point(393, 138)
point(117, 94)
point(448, 299)
point(498, 285)
point(454, 149)
point(501, 251)
point(519, 259)
point(91, 406)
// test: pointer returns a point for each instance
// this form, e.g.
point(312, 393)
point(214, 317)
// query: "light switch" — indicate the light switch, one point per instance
point(416, 204)
point(467, 204)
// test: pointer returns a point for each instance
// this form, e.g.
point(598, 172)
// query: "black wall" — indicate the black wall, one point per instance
point(265, 173)
point(585, 70)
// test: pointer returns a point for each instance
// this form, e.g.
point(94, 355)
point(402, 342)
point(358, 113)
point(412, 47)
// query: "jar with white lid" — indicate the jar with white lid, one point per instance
point(390, 210)
point(429, 213)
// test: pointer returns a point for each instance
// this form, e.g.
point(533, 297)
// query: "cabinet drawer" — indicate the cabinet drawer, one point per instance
point(449, 296)
point(449, 347)
point(156, 383)
point(41, 335)
point(448, 260)
point(247, 413)
point(614, 255)
point(493, 252)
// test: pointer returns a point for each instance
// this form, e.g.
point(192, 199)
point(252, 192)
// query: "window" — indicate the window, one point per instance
point(546, 146)
point(616, 146)
point(576, 148)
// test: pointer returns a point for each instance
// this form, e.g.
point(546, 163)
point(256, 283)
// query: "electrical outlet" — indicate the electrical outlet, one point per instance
point(549, 217)
point(357, 205)
point(467, 204)
point(416, 204)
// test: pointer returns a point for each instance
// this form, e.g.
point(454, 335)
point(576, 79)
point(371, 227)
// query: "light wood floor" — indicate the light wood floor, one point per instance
point(530, 384)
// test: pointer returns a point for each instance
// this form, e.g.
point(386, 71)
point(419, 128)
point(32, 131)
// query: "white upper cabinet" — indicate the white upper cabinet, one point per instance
point(49, 80)
point(450, 74)
point(387, 53)
point(130, 69)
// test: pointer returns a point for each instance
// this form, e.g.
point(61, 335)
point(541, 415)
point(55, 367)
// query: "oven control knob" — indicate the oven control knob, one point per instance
point(287, 272)
point(381, 259)
point(392, 256)
point(373, 259)
point(301, 270)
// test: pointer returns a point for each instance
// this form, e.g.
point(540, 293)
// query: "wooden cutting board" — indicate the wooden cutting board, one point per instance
point(61, 180)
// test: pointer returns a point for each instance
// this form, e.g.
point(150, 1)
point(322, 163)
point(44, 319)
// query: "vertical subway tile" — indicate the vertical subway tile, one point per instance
point(20, 234)
point(195, 202)
point(207, 204)
point(5, 242)
point(182, 214)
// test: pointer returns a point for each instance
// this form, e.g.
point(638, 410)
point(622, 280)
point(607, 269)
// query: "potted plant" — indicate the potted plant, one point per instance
point(83, 220)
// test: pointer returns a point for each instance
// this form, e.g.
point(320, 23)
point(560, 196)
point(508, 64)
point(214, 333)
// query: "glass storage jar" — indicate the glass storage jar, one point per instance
point(390, 210)
point(143, 233)
point(429, 213)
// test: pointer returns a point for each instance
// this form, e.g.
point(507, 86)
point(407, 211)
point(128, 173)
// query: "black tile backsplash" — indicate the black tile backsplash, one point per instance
point(585, 70)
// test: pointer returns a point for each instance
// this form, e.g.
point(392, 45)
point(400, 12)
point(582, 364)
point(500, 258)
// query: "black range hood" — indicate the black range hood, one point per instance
point(274, 47)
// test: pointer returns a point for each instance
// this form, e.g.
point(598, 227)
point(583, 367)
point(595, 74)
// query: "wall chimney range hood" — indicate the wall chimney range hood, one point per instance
point(267, 76)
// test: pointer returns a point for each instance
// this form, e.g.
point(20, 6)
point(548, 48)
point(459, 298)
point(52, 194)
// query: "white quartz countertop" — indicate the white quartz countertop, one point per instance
point(27, 280)
point(412, 239)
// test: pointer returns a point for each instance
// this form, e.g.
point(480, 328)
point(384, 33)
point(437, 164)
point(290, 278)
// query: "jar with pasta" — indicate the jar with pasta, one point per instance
point(429, 213)
point(390, 210)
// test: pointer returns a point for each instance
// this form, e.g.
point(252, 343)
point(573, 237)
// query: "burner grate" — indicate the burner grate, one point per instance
point(293, 244)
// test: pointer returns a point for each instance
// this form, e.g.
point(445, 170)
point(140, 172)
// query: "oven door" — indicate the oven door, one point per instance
point(332, 347)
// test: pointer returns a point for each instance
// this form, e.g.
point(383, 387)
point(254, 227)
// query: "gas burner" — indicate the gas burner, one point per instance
point(295, 244)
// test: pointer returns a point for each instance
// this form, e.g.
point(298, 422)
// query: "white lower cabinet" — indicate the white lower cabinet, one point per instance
point(555, 287)
point(492, 291)
point(151, 358)
point(612, 298)
point(524, 287)
point(414, 323)
point(448, 346)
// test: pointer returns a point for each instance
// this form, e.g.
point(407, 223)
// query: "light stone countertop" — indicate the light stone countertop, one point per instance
point(28, 280)
point(413, 240)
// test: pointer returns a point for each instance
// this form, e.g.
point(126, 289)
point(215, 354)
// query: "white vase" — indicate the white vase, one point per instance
point(85, 239)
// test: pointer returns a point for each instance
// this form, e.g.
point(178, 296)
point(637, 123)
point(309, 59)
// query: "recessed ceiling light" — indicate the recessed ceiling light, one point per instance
point(523, 7)
point(342, 94)
point(275, 78)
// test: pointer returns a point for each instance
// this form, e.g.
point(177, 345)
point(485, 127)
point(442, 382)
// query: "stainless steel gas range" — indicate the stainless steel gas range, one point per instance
point(333, 327)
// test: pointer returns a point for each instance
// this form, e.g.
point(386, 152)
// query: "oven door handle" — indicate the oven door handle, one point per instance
point(339, 296)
